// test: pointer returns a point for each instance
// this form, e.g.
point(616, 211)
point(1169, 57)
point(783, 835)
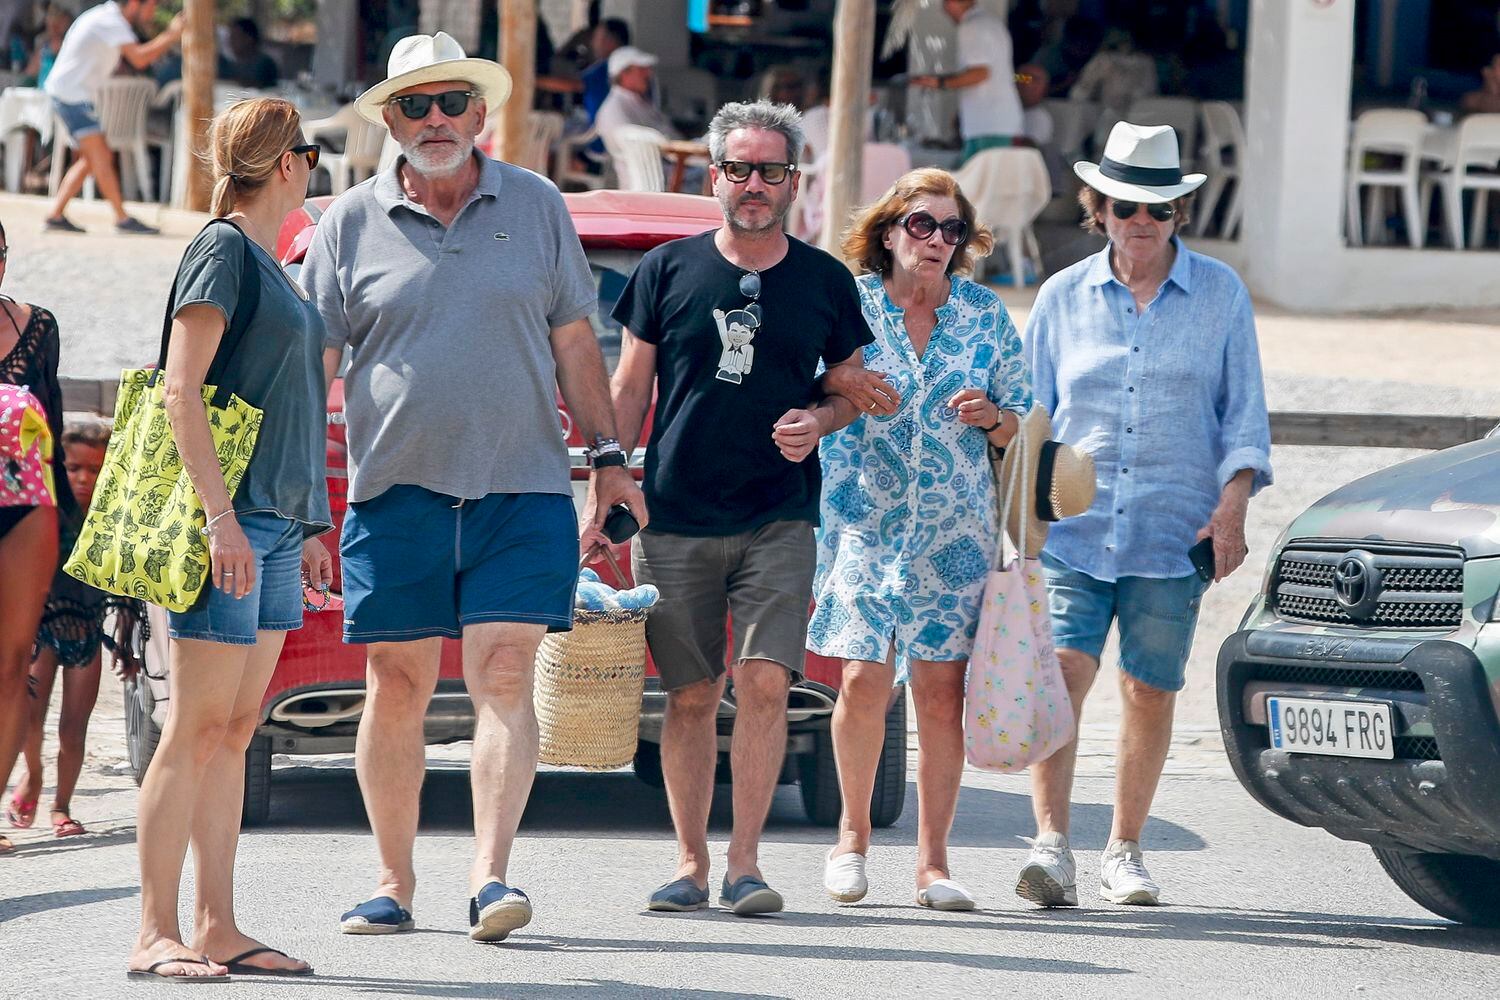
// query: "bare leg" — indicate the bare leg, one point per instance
point(499, 660)
point(31, 778)
point(29, 554)
point(205, 678)
point(216, 821)
point(938, 692)
point(80, 692)
point(858, 737)
point(755, 756)
point(101, 161)
point(71, 184)
point(1145, 737)
point(390, 755)
point(689, 756)
point(1052, 779)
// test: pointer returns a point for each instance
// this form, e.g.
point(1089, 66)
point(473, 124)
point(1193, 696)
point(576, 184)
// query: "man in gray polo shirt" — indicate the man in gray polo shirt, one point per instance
point(460, 289)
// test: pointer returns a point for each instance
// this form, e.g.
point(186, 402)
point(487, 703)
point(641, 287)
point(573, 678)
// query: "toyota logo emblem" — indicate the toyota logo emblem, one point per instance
point(1356, 584)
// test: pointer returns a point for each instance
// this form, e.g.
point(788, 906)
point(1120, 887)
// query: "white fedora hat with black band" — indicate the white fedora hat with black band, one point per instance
point(419, 59)
point(1140, 163)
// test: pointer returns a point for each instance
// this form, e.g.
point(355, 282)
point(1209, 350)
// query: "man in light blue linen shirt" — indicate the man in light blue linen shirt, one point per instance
point(1146, 355)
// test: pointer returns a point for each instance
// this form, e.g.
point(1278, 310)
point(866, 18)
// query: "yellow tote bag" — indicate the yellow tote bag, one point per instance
point(142, 535)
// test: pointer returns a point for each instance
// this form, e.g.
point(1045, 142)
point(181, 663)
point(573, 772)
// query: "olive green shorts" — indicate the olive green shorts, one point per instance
point(761, 580)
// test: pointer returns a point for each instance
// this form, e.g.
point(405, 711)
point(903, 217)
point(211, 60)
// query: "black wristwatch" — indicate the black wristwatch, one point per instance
point(606, 452)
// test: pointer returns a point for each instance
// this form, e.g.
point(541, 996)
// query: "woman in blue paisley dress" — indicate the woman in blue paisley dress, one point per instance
point(909, 528)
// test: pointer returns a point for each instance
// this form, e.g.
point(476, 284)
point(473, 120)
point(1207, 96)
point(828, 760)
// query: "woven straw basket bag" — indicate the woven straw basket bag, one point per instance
point(588, 689)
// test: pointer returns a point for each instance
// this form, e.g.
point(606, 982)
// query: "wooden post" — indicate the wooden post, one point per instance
point(199, 67)
point(853, 59)
point(518, 56)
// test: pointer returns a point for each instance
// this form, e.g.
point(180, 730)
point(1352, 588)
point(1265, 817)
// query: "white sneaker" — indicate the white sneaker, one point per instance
point(1050, 877)
point(844, 877)
point(1123, 877)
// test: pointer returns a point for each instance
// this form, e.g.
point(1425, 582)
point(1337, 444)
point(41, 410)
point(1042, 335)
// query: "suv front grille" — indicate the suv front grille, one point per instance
point(1385, 680)
point(1419, 586)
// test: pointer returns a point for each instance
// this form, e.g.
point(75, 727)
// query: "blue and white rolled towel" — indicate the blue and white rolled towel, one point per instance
point(596, 595)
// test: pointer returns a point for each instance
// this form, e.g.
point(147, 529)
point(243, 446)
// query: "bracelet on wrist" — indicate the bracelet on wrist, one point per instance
point(992, 428)
point(207, 528)
point(610, 459)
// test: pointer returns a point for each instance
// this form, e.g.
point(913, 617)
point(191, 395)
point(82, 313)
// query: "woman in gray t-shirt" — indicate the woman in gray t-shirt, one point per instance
point(261, 547)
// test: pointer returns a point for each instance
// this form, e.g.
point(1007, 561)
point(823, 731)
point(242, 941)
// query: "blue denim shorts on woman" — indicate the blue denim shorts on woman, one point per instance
point(1157, 619)
point(81, 118)
point(274, 604)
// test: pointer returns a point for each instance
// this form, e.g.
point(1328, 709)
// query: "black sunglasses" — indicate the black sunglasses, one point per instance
point(309, 152)
point(4, 254)
point(922, 225)
point(1161, 211)
point(739, 171)
point(450, 102)
point(750, 289)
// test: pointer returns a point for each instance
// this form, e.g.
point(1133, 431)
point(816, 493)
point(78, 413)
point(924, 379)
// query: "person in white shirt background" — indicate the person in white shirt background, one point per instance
point(631, 74)
point(989, 107)
point(90, 51)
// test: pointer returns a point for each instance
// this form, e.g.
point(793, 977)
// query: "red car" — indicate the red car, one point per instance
point(316, 695)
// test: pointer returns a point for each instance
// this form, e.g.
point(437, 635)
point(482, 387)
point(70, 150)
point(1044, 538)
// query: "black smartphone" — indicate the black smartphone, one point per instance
point(620, 524)
point(1202, 556)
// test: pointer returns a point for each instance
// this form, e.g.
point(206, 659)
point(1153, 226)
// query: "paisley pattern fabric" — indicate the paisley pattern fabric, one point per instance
point(141, 536)
point(908, 516)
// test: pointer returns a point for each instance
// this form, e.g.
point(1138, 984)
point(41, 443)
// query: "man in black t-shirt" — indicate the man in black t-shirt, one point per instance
point(731, 327)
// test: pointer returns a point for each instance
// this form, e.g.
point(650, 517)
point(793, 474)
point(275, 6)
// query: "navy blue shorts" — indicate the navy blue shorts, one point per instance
point(418, 564)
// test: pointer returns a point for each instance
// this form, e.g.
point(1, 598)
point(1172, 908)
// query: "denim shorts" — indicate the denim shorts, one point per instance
point(418, 564)
point(80, 118)
point(1156, 619)
point(274, 604)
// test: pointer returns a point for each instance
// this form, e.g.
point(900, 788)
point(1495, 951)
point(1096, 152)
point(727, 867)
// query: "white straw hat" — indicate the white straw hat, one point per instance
point(419, 59)
point(627, 56)
point(1140, 163)
point(1057, 481)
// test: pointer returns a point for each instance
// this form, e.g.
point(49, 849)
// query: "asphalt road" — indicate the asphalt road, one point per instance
point(1258, 907)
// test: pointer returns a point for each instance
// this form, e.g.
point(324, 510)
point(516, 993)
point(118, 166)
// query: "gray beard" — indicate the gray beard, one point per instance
point(775, 221)
point(430, 166)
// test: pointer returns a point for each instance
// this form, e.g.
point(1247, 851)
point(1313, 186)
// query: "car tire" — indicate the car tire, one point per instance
point(1460, 887)
point(821, 799)
point(647, 764)
point(141, 732)
point(257, 781)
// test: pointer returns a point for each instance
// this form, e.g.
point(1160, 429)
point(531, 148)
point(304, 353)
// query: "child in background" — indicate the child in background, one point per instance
point(71, 635)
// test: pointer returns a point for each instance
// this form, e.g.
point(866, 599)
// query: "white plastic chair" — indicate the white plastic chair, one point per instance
point(569, 149)
point(1393, 132)
point(120, 106)
point(163, 111)
point(1224, 150)
point(636, 151)
point(1072, 124)
point(883, 164)
point(1478, 146)
point(363, 143)
point(1179, 112)
point(543, 129)
point(1009, 188)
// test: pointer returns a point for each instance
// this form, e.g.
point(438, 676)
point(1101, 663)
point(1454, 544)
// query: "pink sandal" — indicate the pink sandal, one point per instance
point(20, 814)
point(69, 827)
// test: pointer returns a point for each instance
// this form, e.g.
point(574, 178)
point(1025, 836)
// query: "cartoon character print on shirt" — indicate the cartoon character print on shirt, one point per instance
point(736, 331)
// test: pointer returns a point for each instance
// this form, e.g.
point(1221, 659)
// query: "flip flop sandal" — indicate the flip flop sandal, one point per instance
point(945, 894)
point(69, 827)
point(237, 965)
point(174, 977)
point(20, 814)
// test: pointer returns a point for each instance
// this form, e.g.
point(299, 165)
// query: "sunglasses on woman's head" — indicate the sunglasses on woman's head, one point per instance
point(750, 289)
point(450, 102)
point(739, 171)
point(921, 225)
point(309, 152)
point(1161, 212)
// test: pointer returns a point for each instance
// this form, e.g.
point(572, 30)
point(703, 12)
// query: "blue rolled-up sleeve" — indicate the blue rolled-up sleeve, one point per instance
point(1038, 354)
point(1244, 424)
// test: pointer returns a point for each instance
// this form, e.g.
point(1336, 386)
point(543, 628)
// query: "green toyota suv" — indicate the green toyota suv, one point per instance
point(1361, 693)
